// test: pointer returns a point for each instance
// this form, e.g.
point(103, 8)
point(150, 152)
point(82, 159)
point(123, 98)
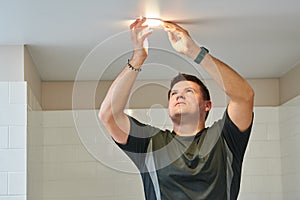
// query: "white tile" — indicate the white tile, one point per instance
point(13, 114)
point(255, 166)
point(265, 149)
point(246, 184)
point(276, 196)
point(255, 196)
point(83, 154)
point(274, 166)
point(267, 183)
point(289, 165)
point(86, 118)
point(12, 160)
point(287, 146)
point(4, 91)
point(3, 137)
point(266, 114)
point(3, 183)
point(60, 136)
point(51, 171)
point(50, 119)
point(273, 131)
point(60, 153)
point(17, 93)
point(75, 189)
point(78, 171)
point(17, 137)
point(16, 183)
point(18, 197)
point(259, 132)
point(67, 118)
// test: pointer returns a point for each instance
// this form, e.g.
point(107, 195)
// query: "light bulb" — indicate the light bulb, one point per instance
point(152, 22)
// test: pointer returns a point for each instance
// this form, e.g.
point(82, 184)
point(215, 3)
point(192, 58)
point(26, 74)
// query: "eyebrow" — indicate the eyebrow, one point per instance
point(187, 88)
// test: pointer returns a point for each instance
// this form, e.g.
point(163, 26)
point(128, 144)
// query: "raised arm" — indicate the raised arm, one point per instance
point(240, 93)
point(112, 108)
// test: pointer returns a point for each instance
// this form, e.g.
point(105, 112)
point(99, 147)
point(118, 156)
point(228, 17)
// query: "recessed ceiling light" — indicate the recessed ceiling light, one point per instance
point(154, 22)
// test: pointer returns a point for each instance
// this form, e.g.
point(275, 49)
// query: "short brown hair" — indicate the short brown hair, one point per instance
point(188, 77)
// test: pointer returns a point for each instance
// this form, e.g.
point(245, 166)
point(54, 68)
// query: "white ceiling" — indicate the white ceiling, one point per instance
point(89, 39)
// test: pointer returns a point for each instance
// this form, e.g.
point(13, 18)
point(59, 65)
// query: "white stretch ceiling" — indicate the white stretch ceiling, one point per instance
point(89, 39)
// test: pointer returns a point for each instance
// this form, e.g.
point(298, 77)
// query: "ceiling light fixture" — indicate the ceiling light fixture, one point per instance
point(154, 22)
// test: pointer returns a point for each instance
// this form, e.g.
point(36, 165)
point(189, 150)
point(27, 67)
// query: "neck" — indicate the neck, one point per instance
point(188, 128)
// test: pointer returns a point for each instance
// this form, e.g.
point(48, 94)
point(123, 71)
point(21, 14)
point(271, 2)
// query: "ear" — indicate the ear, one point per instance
point(208, 105)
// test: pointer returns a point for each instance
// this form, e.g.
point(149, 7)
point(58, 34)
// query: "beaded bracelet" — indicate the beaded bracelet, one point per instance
point(132, 68)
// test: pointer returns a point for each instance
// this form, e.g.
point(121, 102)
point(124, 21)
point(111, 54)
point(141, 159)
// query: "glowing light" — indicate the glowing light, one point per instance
point(154, 22)
point(152, 8)
point(152, 13)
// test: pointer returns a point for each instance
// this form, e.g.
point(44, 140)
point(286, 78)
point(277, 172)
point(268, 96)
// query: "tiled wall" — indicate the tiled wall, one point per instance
point(13, 123)
point(70, 172)
point(290, 148)
point(35, 148)
point(261, 178)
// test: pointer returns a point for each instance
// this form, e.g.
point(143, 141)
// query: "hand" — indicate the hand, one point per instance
point(181, 40)
point(139, 35)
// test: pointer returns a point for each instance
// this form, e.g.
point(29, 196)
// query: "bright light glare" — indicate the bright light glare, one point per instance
point(152, 13)
point(154, 22)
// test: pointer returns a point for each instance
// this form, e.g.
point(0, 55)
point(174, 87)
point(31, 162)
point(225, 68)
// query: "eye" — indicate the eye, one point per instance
point(173, 93)
point(190, 90)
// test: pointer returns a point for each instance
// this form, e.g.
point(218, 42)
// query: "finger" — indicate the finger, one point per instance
point(138, 22)
point(167, 24)
point(174, 27)
point(133, 24)
point(169, 29)
point(144, 33)
point(172, 37)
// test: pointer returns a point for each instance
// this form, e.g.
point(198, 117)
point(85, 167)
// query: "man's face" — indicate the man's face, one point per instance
point(186, 99)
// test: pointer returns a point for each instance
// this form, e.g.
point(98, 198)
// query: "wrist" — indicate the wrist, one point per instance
point(136, 69)
point(136, 61)
point(201, 55)
point(194, 52)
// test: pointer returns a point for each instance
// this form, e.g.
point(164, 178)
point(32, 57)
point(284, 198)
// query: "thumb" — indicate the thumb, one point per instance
point(172, 37)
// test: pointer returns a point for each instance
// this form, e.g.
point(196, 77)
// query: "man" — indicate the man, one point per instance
point(191, 162)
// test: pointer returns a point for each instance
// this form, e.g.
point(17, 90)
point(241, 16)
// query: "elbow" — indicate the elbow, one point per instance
point(104, 115)
point(249, 96)
point(245, 95)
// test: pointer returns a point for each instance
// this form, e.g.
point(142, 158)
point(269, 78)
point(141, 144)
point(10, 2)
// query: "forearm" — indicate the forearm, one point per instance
point(117, 96)
point(235, 86)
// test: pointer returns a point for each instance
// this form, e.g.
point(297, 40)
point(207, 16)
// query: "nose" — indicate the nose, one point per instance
point(179, 96)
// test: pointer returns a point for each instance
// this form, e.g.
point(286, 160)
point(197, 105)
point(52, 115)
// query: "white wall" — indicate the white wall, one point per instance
point(11, 63)
point(13, 122)
point(261, 178)
point(290, 148)
point(35, 148)
point(70, 172)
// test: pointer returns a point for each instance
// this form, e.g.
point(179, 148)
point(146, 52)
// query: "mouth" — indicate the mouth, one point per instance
point(179, 103)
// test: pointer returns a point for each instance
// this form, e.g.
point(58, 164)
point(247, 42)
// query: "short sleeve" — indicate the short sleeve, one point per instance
point(138, 140)
point(236, 140)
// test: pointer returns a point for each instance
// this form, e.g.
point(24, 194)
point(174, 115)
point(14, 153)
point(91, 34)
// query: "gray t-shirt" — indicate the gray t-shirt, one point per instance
point(205, 166)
